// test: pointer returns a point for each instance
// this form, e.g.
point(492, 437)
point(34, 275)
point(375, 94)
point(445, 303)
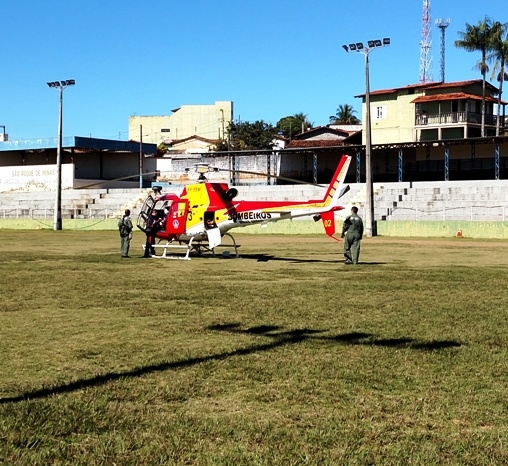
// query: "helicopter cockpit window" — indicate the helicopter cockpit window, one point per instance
point(149, 206)
point(160, 205)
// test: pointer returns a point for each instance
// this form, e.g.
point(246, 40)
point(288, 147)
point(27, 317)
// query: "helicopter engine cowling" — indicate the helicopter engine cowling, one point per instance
point(230, 194)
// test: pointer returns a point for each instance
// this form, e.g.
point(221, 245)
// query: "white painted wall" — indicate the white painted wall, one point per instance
point(35, 178)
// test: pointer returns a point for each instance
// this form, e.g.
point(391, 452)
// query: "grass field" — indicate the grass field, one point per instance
point(283, 357)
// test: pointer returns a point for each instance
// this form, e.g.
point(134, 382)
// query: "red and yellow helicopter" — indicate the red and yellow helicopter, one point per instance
point(199, 218)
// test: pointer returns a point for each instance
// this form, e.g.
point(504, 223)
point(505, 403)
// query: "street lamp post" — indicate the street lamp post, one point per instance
point(370, 224)
point(140, 156)
point(60, 85)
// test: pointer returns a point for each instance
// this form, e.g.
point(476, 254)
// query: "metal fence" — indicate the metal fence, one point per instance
point(21, 213)
point(489, 213)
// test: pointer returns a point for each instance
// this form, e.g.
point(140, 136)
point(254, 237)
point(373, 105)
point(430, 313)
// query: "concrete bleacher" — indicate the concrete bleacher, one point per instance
point(452, 200)
point(82, 203)
point(485, 200)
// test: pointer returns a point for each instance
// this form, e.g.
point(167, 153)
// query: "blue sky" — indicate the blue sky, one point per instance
point(271, 58)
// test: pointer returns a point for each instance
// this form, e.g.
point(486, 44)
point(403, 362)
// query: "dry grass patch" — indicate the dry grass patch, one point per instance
point(285, 356)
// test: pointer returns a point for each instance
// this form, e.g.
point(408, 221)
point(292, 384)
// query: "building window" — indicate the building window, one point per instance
point(380, 113)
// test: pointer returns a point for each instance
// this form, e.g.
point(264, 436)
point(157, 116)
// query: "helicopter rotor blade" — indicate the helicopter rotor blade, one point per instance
point(115, 179)
point(210, 170)
point(279, 177)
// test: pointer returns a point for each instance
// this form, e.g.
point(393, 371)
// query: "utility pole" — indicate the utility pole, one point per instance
point(60, 85)
point(140, 156)
point(222, 119)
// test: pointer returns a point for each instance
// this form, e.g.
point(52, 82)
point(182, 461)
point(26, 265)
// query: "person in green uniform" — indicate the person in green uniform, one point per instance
point(125, 229)
point(352, 232)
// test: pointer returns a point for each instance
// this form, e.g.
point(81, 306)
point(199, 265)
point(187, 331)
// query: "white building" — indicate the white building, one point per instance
point(206, 121)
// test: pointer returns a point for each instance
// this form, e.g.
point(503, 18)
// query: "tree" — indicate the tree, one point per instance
point(474, 39)
point(295, 124)
point(221, 146)
point(344, 116)
point(251, 136)
point(499, 55)
point(162, 148)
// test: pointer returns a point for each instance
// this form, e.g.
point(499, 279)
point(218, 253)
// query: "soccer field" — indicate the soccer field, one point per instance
point(285, 356)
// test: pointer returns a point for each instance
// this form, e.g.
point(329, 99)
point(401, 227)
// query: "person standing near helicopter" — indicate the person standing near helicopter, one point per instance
point(352, 232)
point(125, 229)
point(153, 225)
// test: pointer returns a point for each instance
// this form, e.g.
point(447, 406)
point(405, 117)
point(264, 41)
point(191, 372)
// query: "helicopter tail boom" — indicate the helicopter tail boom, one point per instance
point(336, 188)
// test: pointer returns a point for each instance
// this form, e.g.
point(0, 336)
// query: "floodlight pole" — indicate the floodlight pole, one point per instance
point(370, 229)
point(60, 85)
point(140, 156)
point(370, 223)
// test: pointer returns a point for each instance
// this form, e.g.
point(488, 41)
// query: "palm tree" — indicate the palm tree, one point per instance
point(293, 124)
point(499, 54)
point(478, 38)
point(344, 116)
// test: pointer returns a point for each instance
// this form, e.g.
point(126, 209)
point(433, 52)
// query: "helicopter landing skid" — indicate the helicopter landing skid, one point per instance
point(200, 247)
point(203, 246)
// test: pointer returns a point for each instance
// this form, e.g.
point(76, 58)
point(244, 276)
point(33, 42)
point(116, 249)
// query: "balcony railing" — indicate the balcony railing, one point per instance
point(452, 118)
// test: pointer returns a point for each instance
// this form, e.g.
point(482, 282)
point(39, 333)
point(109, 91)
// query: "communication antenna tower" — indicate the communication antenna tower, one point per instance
point(442, 24)
point(425, 45)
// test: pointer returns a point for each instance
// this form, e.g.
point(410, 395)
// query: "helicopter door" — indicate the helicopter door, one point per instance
point(145, 212)
point(177, 216)
point(214, 238)
point(212, 232)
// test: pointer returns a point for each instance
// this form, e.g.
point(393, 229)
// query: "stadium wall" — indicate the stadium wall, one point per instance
point(409, 228)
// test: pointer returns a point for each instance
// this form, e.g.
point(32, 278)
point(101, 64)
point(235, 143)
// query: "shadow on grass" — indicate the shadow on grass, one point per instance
point(269, 257)
point(352, 338)
point(258, 258)
point(279, 336)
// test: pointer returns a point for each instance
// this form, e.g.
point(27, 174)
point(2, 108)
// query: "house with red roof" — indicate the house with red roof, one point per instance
point(326, 136)
point(433, 111)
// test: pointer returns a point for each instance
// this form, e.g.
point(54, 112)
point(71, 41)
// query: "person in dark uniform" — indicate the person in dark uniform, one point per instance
point(125, 229)
point(352, 232)
point(153, 225)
